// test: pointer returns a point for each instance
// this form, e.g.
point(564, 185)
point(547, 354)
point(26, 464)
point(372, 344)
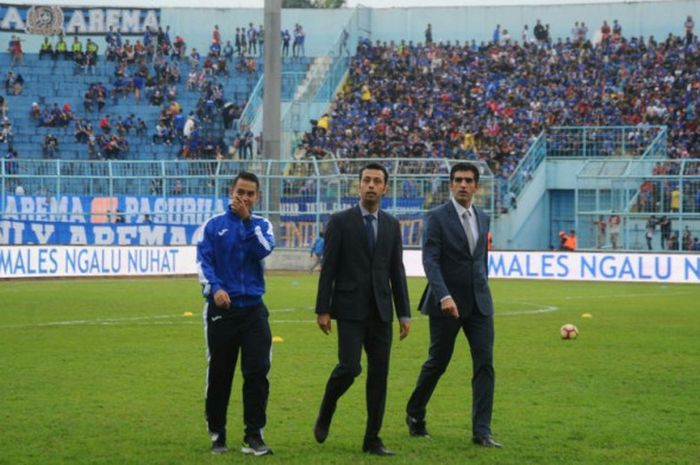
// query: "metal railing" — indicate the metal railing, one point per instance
point(297, 195)
point(528, 165)
point(321, 84)
point(658, 200)
point(255, 101)
point(658, 147)
point(290, 80)
point(602, 141)
point(642, 141)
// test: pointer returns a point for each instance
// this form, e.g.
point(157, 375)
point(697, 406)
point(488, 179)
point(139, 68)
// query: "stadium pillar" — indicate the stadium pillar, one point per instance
point(272, 90)
point(272, 86)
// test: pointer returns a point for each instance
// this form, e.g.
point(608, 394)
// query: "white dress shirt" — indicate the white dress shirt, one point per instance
point(471, 218)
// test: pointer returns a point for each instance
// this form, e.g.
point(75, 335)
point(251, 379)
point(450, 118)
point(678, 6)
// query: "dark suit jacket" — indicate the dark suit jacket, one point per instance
point(449, 266)
point(350, 276)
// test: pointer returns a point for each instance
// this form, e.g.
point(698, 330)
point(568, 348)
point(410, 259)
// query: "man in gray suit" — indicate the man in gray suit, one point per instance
point(362, 281)
point(455, 259)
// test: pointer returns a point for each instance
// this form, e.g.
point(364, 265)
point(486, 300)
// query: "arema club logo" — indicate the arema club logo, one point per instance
point(44, 20)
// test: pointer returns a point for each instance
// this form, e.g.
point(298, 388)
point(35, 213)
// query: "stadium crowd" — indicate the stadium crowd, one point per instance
point(483, 101)
point(149, 68)
point(489, 101)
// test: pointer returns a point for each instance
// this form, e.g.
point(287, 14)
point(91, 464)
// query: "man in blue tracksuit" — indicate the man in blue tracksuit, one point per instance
point(230, 262)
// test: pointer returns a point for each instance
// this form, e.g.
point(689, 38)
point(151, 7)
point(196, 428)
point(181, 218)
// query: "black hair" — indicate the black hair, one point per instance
point(464, 166)
point(375, 166)
point(247, 176)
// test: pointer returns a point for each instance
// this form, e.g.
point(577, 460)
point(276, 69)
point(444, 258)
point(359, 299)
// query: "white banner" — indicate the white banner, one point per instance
point(581, 266)
point(76, 261)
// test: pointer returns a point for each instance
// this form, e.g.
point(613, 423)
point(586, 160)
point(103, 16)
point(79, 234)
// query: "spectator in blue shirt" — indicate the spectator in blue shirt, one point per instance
point(316, 252)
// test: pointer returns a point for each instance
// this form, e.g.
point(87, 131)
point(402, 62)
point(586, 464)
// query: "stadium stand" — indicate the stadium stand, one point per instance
point(506, 104)
point(491, 101)
point(52, 100)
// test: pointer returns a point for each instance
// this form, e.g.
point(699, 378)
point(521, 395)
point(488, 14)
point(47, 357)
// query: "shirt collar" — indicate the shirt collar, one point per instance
point(460, 209)
point(365, 212)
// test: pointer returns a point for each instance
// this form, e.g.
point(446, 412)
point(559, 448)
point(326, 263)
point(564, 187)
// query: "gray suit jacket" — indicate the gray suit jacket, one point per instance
point(449, 266)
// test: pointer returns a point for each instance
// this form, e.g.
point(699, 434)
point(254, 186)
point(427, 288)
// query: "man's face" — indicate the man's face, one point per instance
point(463, 187)
point(246, 191)
point(372, 186)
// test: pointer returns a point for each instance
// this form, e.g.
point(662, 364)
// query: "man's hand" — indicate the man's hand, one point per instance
point(449, 307)
point(240, 208)
point(404, 328)
point(222, 299)
point(324, 322)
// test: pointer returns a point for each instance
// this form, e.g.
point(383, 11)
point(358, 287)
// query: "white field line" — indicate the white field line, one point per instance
point(99, 321)
point(616, 296)
point(543, 309)
point(163, 320)
point(286, 310)
point(143, 320)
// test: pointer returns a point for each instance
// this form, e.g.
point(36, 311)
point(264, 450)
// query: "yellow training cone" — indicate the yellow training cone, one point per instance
point(586, 315)
point(187, 314)
point(277, 339)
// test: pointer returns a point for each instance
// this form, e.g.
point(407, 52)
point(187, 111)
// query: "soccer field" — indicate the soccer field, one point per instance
point(112, 372)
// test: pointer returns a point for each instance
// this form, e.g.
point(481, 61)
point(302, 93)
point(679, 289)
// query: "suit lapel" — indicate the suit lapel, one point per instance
point(455, 221)
point(483, 232)
point(383, 232)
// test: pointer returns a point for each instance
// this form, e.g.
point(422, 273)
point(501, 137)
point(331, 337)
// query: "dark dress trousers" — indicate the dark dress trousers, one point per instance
point(453, 270)
point(359, 289)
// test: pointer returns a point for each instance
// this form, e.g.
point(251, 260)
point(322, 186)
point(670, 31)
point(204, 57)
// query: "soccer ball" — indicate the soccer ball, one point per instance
point(568, 331)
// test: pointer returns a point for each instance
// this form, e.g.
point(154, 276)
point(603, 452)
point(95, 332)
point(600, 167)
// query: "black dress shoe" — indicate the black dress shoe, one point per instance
point(486, 441)
point(323, 421)
point(416, 427)
point(376, 448)
point(321, 429)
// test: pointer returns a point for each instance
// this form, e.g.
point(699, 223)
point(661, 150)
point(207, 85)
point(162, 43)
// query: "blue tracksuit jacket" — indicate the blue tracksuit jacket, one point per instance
point(230, 254)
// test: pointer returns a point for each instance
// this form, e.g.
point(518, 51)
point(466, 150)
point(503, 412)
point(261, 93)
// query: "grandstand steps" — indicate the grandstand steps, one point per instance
point(604, 168)
point(314, 78)
point(516, 228)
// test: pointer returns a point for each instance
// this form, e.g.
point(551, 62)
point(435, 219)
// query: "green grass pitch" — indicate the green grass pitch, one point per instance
point(112, 372)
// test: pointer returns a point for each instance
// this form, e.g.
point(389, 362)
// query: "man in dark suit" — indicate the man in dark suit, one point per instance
point(457, 297)
point(362, 268)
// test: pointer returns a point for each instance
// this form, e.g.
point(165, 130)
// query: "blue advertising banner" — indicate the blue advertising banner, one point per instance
point(300, 214)
point(185, 210)
point(119, 220)
point(49, 19)
point(153, 220)
point(60, 233)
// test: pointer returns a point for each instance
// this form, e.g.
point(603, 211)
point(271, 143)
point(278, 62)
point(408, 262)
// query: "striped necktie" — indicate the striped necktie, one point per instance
point(468, 230)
